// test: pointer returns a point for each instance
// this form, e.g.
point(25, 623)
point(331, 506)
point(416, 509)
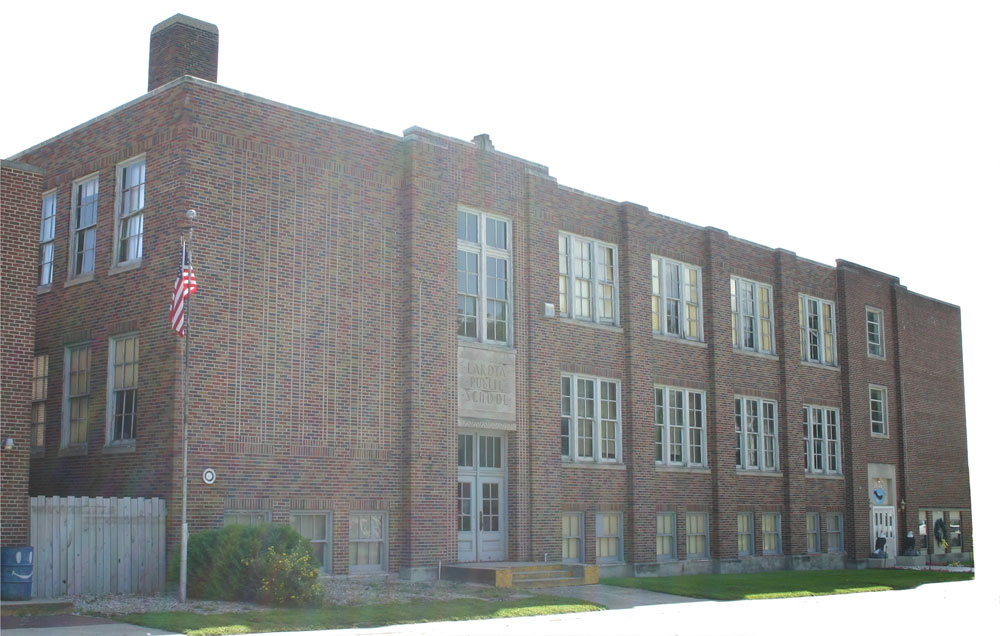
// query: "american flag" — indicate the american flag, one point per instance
point(184, 285)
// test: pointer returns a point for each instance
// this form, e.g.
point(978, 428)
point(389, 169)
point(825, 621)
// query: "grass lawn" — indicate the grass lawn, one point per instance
point(344, 616)
point(786, 584)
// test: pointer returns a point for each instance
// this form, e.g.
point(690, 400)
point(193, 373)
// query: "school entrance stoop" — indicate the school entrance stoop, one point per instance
point(519, 574)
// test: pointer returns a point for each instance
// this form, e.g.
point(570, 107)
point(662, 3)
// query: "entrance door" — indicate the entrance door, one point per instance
point(884, 524)
point(481, 497)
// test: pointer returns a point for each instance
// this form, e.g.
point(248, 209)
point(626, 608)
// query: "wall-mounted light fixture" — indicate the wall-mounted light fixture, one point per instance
point(8, 443)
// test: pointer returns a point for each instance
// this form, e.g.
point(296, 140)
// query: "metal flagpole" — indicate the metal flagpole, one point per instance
point(188, 264)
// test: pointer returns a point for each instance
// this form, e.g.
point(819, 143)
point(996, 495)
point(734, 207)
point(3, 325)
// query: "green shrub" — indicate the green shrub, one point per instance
point(269, 564)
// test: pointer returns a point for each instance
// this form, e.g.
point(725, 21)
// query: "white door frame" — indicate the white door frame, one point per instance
point(482, 542)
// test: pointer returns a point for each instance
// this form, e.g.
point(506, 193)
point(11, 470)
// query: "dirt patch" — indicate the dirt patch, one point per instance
point(339, 590)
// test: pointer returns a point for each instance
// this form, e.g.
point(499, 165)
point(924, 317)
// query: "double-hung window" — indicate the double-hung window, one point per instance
point(680, 426)
point(123, 382)
point(770, 531)
point(876, 409)
point(46, 239)
point(83, 226)
point(875, 321)
point(39, 393)
point(676, 299)
point(744, 534)
point(608, 537)
point(753, 325)
point(591, 419)
point(756, 434)
point(812, 532)
point(315, 527)
point(834, 532)
point(484, 277)
point(666, 536)
point(76, 396)
point(131, 201)
point(572, 537)
point(368, 542)
point(696, 524)
point(588, 279)
point(821, 439)
point(818, 330)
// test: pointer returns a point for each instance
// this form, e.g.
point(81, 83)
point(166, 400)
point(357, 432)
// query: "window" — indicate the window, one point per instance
point(750, 304)
point(588, 280)
point(483, 248)
point(676, 299)
point(76, 395)
point(817, 327)
point(131, 200)
point(46, 238)
point(680, 426)
point(609, 537)
point(246, 517)
point(315, 526)
point(464, 513)
point(834, 532)
point(123, 380)
point(812, 532)
point(876, 401)
point(666, 536)
point(770, 527)
point(591, 423)
point(465, 450)
point(821, 439)
point(939, 532)
point(39, 393)
point(83, 222)
point(367, 535)
point(756, 434)
point(744, 534)
point(572, 537)
point(954, 531)
point(697, 535)
point(874, 318)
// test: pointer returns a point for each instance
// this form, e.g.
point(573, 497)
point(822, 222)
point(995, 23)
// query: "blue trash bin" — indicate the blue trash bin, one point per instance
point(16, 568)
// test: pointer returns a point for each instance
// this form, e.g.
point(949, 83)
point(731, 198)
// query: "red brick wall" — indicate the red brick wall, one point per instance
point(934, 447)
point(20, 192)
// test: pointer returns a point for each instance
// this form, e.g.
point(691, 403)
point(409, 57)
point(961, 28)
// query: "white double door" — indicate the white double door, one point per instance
point(482, 496)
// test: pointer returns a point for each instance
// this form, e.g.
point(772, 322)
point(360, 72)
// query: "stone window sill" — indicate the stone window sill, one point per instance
point(127, 266)
point(697, 470)
point(73, 451)
point(118, 448)
point(77, 280)
point(755, 354)
point(593, 325)
point(687, 341)
point(566, 463)
point(759, 473)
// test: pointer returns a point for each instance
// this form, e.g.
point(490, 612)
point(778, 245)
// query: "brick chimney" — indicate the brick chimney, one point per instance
point(181, 46)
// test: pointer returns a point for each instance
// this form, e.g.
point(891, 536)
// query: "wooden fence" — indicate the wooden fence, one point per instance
point(98, 545)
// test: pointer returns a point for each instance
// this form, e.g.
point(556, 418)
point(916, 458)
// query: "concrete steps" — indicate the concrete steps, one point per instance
point(555, 575)
point(522, 575)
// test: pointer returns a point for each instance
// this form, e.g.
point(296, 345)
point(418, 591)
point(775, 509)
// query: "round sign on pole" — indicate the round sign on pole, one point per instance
point(208, 476)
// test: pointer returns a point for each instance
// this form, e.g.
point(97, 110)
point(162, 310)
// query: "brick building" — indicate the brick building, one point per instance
point(420, 350)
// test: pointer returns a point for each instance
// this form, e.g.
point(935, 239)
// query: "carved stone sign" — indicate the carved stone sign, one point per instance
point(486, 384)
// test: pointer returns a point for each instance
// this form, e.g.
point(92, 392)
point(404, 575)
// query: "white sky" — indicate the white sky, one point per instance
point(859, 130)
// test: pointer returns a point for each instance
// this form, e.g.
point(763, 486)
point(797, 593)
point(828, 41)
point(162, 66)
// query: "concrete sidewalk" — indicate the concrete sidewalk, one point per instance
point(613, 597)
point(71, 625)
